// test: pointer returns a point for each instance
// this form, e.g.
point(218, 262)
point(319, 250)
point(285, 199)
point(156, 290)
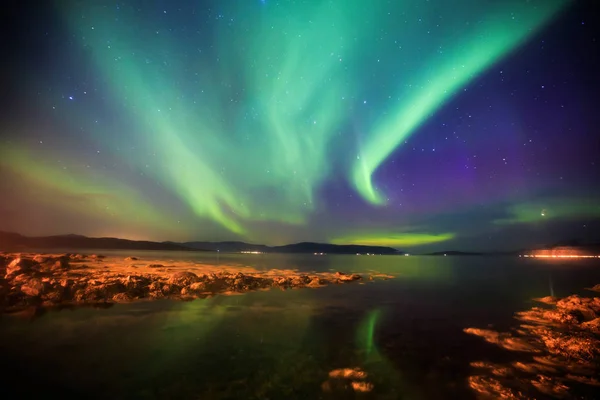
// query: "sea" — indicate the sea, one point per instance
point(405, 335)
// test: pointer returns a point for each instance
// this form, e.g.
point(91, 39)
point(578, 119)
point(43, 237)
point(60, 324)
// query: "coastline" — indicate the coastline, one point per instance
point(32, 280)
point(561, 340)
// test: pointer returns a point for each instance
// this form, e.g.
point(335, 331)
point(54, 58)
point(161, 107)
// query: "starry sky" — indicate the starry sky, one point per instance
point(421, 125)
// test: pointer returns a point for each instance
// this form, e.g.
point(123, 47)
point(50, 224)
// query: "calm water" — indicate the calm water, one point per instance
point(406, 333)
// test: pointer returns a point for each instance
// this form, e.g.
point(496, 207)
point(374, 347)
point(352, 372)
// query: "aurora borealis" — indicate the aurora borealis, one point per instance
point(412, 124)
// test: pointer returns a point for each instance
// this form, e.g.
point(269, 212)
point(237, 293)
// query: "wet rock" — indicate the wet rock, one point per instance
point(298, 281)
point(346, 277)
point(183, 278)
point(170, 289)
point(593, 325)
point(582, 309)
point(34, 287)
point(41, 259)
point(131, 259)
point(595, 288)
point(19, 266)
point(77, 257)
point(137, 286)
point(197, 287)
point(56, 295)
point(547, 300)
point(50, 280)
point(62, 264)
point(282, 281)
point(113, 288)
point(121, 298)
point(317, 282)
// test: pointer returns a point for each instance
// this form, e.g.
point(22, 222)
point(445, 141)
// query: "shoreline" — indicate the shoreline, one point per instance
point(33, 280)
point(560, 339)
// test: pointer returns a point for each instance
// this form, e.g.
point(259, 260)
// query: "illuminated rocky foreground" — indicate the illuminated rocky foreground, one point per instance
point(561, 342)
point(47, 281)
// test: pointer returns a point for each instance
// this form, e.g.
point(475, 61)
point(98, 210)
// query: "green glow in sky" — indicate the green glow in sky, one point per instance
point(265, 163)
point(395, 239)
point(84, 191)
point(550, 209)
point(245, 121)
point(442, 76)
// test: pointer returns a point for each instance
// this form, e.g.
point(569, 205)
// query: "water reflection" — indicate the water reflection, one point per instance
point(403, 337)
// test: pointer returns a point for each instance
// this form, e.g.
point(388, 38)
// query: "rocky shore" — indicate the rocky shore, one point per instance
point(63, 280)
point(556, 349)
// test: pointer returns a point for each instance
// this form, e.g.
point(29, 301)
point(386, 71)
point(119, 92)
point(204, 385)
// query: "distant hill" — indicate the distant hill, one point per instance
point(454, 253)
point(309, 247)
point(15, 241)
point(10, 241)
point(304, 247)
point(228, 247)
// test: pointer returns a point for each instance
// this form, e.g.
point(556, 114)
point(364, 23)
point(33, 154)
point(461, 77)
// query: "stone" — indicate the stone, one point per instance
point(346, 277)
point(19, 266)
point(121, 298)
point(41, 259)
point(131, 259)
point(34, 287)
point(197, 287)
point(183, 278)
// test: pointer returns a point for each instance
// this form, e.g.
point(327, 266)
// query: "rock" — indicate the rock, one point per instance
point(34, 287)
point(77, 257)
point(155, 266)
point(19, 266)
point(131, 259)
point(62, 264)
point(121, 298)
point(281, 281)
point(183, 278)
point(583, 309)
point(593, 325)
point(169, 289)
point(41, 259)
point(314, 283)
point(547, 300)
point(197, 287)
point(346, 277)
point(55, 294)
point(137, 286)
point(595, 288)
point(113, 288)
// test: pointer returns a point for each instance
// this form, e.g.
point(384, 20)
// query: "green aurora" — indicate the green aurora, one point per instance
point(252, 126)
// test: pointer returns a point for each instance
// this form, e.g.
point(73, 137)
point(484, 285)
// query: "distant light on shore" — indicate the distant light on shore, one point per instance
point(558, 256)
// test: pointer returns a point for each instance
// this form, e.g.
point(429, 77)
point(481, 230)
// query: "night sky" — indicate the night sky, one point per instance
point(422, 125)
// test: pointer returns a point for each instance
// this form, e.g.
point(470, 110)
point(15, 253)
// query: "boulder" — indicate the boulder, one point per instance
point(34, 287)
point(19, 266)
point(130, 258)
point(346, 277)
point(183, 278)
point(583, 308)
point(197, 287)
point(41, 259)
point(121, 298)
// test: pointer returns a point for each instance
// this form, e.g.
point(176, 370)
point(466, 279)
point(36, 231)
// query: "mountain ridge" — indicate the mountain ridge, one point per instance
point(74, 241)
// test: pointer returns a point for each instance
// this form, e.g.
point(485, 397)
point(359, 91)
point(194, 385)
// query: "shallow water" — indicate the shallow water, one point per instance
point(405, 333)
